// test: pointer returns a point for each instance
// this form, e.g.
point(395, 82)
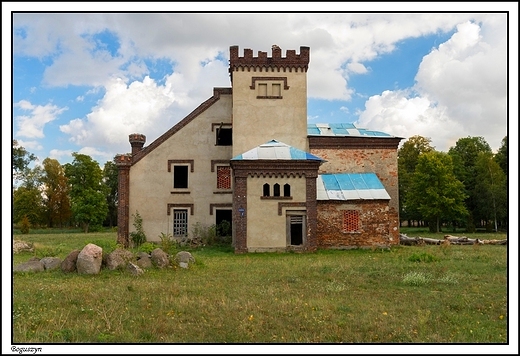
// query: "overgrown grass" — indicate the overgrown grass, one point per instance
point(356, 296)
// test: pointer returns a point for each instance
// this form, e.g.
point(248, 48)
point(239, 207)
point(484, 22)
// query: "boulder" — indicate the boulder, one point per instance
point(119, 258)
point(50, 263)
point(183, 259)
point(90, 259)
point(160, 258)
point(144, 260)
point(134, 269)
point(69, 263)
point(29, 266)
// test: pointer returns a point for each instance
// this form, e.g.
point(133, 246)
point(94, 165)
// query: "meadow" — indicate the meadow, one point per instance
point(408, 294)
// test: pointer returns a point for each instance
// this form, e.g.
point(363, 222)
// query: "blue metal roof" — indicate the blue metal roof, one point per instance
point(350, 186)
point(338, 129)
point(275, 150)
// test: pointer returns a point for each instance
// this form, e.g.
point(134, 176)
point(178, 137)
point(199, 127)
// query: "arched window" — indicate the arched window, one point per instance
point(286, 190)
point(266, 190)
point(276, 190)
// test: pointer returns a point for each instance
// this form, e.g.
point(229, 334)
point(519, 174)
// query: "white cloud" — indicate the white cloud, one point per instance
point(32, 125)
point(460, 92)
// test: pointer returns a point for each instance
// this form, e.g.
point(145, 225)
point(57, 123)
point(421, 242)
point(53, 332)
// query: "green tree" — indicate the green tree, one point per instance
point(501, 156)
point(490, 189)
point(408, 156)
point(28, 203)
point(56, 192)
point(435, 191)
point(21, 161)
point(464, 155)
point(87, 191)
point(110, 179)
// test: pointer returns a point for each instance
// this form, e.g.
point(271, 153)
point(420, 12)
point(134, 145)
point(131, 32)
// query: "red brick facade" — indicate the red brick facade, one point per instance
point(377, 226)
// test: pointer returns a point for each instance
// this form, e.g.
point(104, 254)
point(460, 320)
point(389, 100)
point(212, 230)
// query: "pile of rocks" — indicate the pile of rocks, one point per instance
point(90, 260)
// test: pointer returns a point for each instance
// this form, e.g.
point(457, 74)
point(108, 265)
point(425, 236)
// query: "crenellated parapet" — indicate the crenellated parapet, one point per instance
point(262, 62)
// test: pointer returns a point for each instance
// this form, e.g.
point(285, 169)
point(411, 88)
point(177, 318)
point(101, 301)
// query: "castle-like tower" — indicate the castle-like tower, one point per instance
point(269, 98)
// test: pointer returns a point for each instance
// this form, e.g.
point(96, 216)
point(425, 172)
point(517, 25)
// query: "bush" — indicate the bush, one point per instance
point(147, 247)
point(202, 234)
point(24, 225)
point(138, 236)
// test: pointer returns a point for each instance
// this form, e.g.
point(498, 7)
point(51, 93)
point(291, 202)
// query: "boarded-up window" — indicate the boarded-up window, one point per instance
point(262, 89)
point(351, 222)
point(223, 177)
point(277, 91)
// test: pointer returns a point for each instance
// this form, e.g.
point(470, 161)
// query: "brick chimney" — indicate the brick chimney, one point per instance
point(137, 142)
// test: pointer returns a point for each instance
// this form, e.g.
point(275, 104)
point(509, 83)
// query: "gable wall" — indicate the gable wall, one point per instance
point(151, 185)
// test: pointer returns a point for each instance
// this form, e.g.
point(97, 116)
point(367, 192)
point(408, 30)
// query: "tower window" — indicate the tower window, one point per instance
point(267, 189)
point(286, 190)
point(276, 189)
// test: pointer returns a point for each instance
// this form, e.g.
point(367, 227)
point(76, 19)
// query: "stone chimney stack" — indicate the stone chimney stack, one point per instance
point(137, 142)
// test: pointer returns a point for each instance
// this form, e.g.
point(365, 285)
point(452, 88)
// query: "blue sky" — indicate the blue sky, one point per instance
point(83, 82)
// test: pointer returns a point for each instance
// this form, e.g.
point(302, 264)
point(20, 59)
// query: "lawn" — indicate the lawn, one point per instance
point(409, 294)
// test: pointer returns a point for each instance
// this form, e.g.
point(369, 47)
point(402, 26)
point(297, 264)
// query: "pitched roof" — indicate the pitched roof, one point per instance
point(346, 129)
point(350, 186)
point(275, 150)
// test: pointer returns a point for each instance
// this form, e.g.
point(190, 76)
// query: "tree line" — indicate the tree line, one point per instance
point(77, 194)
point(463, 188)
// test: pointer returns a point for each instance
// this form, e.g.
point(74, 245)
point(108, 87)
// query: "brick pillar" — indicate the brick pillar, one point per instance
point(240, 214)
point(123, 163)
point(312, 210)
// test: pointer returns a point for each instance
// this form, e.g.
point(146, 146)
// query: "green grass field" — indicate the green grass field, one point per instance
point(409, 294)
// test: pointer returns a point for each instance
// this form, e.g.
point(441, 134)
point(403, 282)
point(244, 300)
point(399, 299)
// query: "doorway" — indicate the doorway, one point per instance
point(296, 228)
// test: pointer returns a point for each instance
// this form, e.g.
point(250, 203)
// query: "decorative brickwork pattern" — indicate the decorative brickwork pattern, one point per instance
point(351, 221)
point(223, 177)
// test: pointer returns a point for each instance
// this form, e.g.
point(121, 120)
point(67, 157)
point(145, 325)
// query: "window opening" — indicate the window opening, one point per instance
point(276, 190)
point(262, 89)
point(277, 91)
point(224, 136)
point(180, 176)
point(266, 190)
point(223, 177)
point(180, 222)
point(286, 190)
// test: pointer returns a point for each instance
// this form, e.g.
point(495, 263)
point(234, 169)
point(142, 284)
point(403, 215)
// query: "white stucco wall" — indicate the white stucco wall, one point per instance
point(266, 230)
point(151, 184)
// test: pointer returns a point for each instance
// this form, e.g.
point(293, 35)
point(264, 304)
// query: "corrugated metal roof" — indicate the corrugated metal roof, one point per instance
point(346, 129)
point(275, 150)
point(350, 186)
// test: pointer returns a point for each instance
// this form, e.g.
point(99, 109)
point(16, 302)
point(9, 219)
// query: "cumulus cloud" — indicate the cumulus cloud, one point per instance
point(459, 92)
point(459, 84)
point(32, 125)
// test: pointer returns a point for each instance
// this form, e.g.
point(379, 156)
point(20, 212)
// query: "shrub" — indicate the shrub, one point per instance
point(24, 225)
point(147, 247)
point(167, 242)
point(202, 234)
point(138, 236)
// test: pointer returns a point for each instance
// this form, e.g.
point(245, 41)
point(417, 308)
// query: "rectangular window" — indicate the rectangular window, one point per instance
point(224, 137)
point(180, 222)
point(277, 91)
point(262, 89)
point(351, 222)
point(223, 177)
point(180, 176)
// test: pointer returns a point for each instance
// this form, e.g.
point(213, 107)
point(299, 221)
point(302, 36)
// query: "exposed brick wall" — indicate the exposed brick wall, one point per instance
point(123, 163)
point(381, 161)
point(378, 224)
